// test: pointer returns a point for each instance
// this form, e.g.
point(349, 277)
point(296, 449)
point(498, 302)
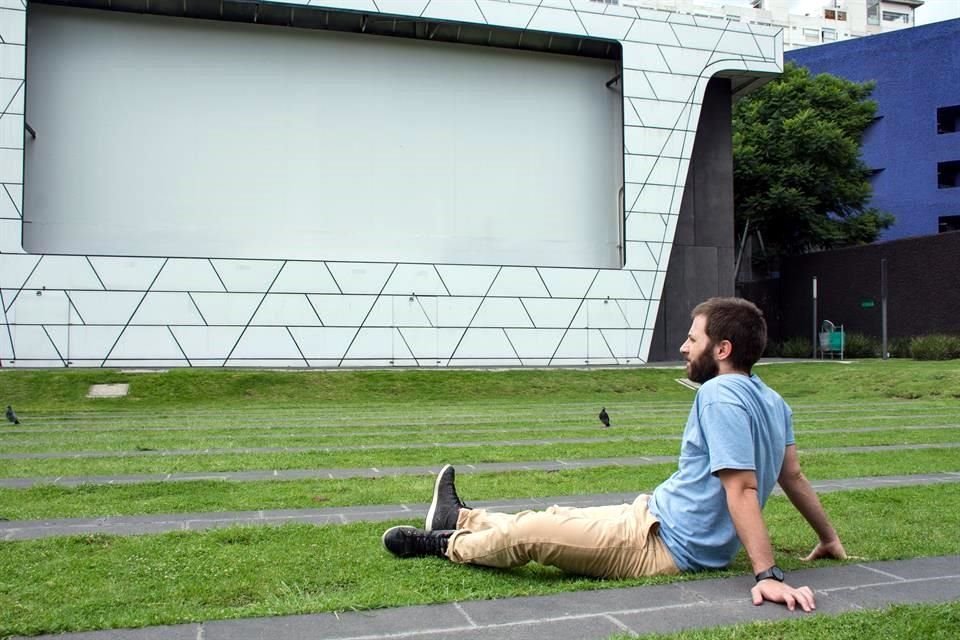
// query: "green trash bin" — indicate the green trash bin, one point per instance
point(831, 339)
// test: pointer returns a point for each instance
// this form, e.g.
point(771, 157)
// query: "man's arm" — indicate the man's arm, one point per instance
point(797, 488)
point(744, 506)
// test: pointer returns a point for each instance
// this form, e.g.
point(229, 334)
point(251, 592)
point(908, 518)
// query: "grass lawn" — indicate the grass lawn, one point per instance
point(89, 582)
point(400, 418)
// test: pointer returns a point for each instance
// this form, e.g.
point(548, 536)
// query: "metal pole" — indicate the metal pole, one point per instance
point(883, 307)
point(814, 317)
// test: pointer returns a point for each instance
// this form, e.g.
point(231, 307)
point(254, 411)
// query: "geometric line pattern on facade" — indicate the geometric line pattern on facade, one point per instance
point(366, 318)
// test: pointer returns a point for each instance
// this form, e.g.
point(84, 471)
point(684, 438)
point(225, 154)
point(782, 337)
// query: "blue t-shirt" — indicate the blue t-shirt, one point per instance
point(736, 422)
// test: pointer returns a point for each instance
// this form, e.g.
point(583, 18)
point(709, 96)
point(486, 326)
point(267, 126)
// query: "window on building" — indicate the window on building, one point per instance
point(811, 35)
point(948, 223)
point(873, 11)
point(948, 174)
point(834, 14)
point(948, 119)
point(896, 16)
point(829, 34)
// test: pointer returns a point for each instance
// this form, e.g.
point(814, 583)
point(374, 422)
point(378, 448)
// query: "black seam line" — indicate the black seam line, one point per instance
point(650, 84)
point(624, 313)
point(375, 6)
point(9, 148)
point(425, 7)
point(533, 15)
point(12, 201)
point(137, 308)
point(217, 273)
point(254, 314)
point(74, 307)
point(656, 260)
point(532, 323)
point(549, 294)
point(650, 155)
point(425, 314)
point(474, 316)
point(23, 284)
point(586, 31)
point(315, 312)
point(648, 126)
point(445, 288)
point(612, 354)
point(6, 321)
point(94, 269)
point(642, 293)
point(482, 15)
point(333, 277)
point(197, 307)
point(637, 113)
point(179, 346)
point(369, 311)
point(297, 345)
point(510, 342)
point(226, 327)
point(59, 355)
point(407, 345)
point(573, 317)
point(665, 57)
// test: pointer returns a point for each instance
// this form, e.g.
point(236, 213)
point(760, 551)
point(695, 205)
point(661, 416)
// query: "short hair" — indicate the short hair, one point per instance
point(739, 321)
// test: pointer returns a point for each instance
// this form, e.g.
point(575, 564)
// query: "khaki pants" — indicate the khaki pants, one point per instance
point(618, 541)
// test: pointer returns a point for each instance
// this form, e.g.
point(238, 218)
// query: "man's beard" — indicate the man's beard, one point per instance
point(703, 368)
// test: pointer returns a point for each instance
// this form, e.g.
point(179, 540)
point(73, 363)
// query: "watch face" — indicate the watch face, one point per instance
point(777, 573)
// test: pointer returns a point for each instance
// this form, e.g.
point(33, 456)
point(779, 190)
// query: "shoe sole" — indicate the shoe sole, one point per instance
point(383, 538)
point(428, 523)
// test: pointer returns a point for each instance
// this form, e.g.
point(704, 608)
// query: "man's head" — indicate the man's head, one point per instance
point(727, 335)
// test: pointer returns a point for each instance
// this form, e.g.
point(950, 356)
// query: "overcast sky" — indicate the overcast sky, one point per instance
point(937, 10)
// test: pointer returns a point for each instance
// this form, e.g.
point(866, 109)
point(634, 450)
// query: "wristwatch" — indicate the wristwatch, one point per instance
point(773, 573)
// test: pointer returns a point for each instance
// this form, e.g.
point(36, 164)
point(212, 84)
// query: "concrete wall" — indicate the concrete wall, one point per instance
point(701, 263)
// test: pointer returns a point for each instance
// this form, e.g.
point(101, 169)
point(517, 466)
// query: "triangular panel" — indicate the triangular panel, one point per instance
point(14, 269)
point(535, 343)
point(134, 274)
point(602, 26)
point(378, 343)
point(247, 275)
point(484, 343)
point(342, 311)
point(519, 282)
point(360, 277)
point(305, 277)
point(402, 311)
point(456, 312)
point(106, 307)
point(30, 343)
point(227, 308)
point(568, 283)
point(282, 309)
point(556, 21)
point(463, 280)
point(501, 312)
point(551, 314)
point(63, 272)
point(615, 284)
point(160, 307)
point(146, 343)
point(266, 343)
point(320, 343)
point(88, 344)
point(188, 274)
point(419, 279)
point(574, 346)
point(431, 345)
point(207, 343)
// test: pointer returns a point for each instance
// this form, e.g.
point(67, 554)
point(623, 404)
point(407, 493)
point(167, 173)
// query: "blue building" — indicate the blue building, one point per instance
point(914, 145)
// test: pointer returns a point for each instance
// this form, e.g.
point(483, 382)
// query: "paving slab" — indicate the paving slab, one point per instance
point(132, 525)
point(587, 615)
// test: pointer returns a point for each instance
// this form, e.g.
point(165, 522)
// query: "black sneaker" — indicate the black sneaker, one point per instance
point(446, 504)
point(410, 542)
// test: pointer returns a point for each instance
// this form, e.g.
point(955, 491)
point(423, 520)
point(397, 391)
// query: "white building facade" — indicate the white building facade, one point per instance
point(391, 183)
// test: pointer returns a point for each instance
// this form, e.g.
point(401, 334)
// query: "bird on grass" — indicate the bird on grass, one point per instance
point(12, 416)
point(604, 417)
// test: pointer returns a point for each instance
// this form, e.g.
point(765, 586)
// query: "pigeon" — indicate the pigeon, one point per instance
point(11, 416)
point(604, 418)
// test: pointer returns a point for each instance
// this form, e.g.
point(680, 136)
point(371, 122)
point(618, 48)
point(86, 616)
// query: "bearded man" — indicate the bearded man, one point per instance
point(738, 443)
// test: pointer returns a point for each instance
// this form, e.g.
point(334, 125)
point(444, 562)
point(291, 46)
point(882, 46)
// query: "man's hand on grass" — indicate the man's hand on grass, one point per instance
point(833, 549)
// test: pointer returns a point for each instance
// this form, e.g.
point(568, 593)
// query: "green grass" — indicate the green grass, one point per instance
point(50, 501)
point(901, 622)
point(96, 582)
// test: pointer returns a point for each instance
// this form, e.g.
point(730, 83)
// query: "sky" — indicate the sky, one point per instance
point(937, 10)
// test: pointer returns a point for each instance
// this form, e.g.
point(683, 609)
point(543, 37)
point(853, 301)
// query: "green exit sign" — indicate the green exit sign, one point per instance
point(867, 304)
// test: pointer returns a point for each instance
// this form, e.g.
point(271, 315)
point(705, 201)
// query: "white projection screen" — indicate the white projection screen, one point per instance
point(160, 136)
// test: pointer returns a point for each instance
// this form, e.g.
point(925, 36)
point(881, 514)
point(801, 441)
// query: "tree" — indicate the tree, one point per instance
point(798, 176)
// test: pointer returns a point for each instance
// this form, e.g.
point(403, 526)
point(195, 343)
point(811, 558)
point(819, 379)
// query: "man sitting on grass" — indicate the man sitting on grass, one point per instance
point(738, 442)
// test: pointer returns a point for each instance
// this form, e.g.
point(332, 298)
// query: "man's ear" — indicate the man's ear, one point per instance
point(722, 350)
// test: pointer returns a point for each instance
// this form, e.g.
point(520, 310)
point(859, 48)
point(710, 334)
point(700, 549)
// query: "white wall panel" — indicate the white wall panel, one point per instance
point(390, 183)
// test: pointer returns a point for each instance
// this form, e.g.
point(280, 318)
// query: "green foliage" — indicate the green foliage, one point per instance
point(935, 347)
point(899, 347)
point(796, 348)
point(798, 175)
point(858, 345)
